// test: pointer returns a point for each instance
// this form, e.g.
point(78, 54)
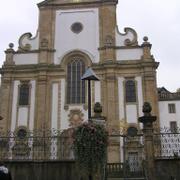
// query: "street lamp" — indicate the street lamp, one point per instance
point(89, 76)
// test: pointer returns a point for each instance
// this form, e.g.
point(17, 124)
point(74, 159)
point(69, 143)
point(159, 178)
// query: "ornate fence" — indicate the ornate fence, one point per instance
point(36, 145)
point(167, 144)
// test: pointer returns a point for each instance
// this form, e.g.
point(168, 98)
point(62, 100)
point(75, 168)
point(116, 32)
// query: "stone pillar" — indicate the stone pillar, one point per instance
point(101, 120)
point(149, 78)
point(147, 121)
point(9, 55)
point(41, 111)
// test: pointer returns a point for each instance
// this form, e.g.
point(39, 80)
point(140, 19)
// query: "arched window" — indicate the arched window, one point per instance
point(130, 89)
point(24, 94)
point(75, 86)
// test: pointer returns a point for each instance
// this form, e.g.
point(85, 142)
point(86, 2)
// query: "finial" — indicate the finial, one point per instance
point(146, 43)
point(11, 45)
point(145, 38)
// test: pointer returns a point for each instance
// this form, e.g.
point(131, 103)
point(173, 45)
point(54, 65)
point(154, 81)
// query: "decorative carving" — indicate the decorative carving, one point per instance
point(109, 41)
point(131, 39)
point(129, 42)
point(26, 44)
point(97, 109)
point(75, 117)
point(21, 150)
point(21, 147)
point(21, 132)
point(44, 43)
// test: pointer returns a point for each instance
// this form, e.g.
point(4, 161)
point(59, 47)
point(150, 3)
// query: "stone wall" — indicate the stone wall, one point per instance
point(167, 169)
point(49, 170)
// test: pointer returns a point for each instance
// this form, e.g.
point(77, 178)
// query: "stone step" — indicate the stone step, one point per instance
point(127, 178)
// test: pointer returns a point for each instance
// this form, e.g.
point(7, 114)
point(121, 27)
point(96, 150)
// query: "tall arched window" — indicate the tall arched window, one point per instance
point(130, 89)
point(75, 86)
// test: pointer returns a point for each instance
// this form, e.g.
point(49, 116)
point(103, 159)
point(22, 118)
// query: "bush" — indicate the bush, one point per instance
point(90, 146)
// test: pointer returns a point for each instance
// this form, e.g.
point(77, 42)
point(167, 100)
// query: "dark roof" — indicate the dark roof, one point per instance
point(165, 95)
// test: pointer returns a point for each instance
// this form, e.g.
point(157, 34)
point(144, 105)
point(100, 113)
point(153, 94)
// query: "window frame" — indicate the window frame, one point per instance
point(129, 90)
point(171, 108)
point(81, 98)
point(22, 100)
point(175, 128)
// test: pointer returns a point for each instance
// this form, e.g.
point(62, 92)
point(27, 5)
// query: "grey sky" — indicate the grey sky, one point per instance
point(157, 19)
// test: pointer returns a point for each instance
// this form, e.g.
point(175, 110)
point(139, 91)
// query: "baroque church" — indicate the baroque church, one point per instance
point(41, 85)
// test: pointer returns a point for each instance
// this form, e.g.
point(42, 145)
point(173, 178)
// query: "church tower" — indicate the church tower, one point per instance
point(41, 81)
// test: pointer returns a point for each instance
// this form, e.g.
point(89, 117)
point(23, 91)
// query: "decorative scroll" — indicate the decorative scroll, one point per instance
point(27, 43)
point(129, 38)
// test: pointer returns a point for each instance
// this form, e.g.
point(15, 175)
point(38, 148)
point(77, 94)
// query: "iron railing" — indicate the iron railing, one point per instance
point(36, 146)
point(167, 145)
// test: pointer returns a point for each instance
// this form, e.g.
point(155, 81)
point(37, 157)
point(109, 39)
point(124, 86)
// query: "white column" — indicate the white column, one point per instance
point(32, 105)
point(121, 97)
point(97, 88)
point(14, 105)
point(54, 110)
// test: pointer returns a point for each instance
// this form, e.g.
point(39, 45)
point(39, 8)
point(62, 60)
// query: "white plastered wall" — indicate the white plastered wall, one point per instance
point(23, 59)
point(32, 105)
point(22, 115)
point(129, 54)
point(14, 105)
point(97, 93)
point(54, 111)
point(64, 124)
point(121, 97)
point(165, 116)
point(139, 95)
point(87, 40)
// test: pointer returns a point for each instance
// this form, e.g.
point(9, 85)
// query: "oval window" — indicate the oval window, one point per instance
point(76, 27)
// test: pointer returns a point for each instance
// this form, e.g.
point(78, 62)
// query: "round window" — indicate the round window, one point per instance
point(76, 27)
point(132, 131)
point(22, 133)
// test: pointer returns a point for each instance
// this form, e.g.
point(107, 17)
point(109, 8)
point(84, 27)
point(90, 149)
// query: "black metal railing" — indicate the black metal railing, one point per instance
point(167, 144)
point(123, 170)
point(36, 146)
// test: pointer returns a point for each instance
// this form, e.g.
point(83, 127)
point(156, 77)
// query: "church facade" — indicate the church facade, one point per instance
point(41, 84)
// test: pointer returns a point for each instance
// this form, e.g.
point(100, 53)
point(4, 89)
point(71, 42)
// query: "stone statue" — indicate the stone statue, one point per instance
point(97, 109)
point(147, 109)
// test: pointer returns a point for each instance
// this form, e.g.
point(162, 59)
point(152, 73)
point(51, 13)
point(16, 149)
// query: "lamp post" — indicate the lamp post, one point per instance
point(89, 76)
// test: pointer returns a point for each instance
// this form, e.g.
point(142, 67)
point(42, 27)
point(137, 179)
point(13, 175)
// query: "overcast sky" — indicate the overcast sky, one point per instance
point(157, 19)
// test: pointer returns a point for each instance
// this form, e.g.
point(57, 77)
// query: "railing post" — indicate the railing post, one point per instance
point(147, 121)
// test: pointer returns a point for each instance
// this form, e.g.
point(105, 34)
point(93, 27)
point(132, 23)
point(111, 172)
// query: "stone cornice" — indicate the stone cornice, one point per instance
point(126, 64)
point(33, 51)
point(119, 47)
point(31, 68)
point(135, 64)
point(51, 4)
